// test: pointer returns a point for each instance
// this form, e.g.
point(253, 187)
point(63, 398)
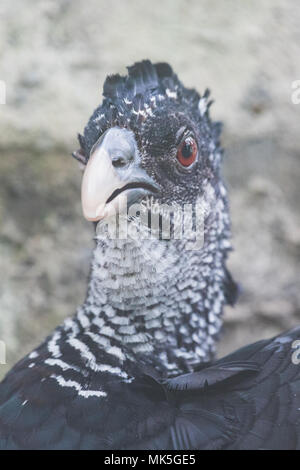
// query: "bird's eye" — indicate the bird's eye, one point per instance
point(187, 152)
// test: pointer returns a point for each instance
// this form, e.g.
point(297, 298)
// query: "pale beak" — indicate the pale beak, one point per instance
point(113, 178)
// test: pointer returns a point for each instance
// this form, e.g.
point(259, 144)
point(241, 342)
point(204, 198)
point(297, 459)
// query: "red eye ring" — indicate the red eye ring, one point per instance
point(187, 152)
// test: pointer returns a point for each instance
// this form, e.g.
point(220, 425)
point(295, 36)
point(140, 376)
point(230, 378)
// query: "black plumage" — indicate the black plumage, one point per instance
point(133, 367)
point(247, 400)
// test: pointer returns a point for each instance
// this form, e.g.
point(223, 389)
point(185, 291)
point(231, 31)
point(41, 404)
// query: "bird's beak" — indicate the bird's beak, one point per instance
point(113, 178)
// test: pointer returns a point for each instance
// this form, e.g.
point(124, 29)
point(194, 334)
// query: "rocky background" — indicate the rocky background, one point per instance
point(54, 56)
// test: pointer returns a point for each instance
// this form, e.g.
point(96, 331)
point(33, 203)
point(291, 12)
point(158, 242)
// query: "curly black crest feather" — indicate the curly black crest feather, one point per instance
point(128, 100)
point(143, 78)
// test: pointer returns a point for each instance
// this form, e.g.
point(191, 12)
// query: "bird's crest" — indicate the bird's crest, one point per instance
point(143, 78)
point(129, 100)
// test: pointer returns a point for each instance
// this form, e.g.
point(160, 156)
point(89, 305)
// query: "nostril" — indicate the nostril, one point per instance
point(119, 162)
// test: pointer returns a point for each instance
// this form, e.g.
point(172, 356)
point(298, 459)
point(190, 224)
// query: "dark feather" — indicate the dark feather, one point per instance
point(231, 288)
point(210, 376)
point(248, 400)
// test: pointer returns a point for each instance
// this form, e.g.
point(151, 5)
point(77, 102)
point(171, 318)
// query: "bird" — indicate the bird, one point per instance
point(134, 367)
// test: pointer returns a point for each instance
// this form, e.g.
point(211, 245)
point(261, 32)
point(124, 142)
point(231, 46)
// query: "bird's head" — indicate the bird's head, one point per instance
point(150, 138)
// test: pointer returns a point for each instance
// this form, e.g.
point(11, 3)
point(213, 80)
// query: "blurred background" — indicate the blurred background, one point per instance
point(54, 56)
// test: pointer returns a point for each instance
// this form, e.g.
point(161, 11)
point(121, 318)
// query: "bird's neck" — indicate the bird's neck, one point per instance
point(154, 299)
